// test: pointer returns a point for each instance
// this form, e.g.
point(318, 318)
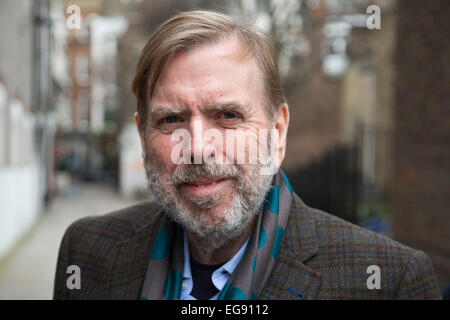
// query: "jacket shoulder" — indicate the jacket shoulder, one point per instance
point(319, 231)
point(333, 231)
point(93, 244)
point(118, 225)
point(345, 252)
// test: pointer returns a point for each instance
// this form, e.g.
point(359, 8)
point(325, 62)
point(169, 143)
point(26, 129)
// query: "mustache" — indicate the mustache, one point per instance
point(188, 173)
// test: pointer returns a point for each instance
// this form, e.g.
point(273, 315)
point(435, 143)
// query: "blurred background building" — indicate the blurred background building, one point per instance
point(368, 139)
point(27, 128)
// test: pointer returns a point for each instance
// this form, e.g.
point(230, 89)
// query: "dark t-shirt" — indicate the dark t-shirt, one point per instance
point(203, 287)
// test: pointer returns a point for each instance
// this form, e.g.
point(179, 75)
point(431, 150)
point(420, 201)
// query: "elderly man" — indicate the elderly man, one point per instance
point(226, 223)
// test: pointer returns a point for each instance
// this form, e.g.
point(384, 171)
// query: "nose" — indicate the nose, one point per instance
point(201, 146)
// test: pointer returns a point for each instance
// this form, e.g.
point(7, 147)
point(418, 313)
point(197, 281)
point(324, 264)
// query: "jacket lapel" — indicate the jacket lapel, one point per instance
point(301, 282)
point(291, 277)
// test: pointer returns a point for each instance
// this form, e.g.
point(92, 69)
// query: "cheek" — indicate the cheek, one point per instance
point(244, 147)
point(159, 149)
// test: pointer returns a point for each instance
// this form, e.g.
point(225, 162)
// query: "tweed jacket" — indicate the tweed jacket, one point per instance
point(322, 257)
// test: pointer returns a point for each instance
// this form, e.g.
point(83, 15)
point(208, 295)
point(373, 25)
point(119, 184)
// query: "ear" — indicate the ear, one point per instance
point(141, 133)
point(282, 124)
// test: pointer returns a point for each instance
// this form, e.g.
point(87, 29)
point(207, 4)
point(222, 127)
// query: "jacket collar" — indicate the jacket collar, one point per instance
point(291, 277)
point(301, 237)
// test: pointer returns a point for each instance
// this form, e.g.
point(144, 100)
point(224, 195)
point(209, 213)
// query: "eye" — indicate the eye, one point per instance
point(169, 120)
point(229, 118)
point(169, 123)
point(229, 115)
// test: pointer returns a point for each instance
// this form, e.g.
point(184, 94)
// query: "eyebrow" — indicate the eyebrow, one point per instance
point(228, 106)
point(159, 112)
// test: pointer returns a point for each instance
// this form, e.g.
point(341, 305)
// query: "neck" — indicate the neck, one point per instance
point(222, 254)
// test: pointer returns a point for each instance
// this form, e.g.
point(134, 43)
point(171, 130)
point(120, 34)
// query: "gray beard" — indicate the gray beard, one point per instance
point(213, 229)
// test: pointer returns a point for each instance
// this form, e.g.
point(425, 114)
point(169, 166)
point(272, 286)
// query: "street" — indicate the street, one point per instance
point(28, 271)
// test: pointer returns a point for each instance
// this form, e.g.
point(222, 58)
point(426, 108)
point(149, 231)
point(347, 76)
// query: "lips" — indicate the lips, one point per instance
point(202, 183)
point(205, 187)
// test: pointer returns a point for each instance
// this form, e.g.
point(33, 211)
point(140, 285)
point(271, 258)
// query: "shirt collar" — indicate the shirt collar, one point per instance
point(219, 276)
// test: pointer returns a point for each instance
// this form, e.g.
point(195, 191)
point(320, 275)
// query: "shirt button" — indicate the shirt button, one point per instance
point(184, 285)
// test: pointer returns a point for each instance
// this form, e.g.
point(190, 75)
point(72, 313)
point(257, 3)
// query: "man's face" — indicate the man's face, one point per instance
point(213, 86)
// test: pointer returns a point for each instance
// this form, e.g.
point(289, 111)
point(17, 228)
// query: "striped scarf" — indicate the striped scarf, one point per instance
point(164, 275)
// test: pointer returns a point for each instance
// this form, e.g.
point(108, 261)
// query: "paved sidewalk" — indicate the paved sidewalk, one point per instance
point(28, 272)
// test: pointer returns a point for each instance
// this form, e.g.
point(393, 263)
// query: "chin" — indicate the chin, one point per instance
point(209, 216)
